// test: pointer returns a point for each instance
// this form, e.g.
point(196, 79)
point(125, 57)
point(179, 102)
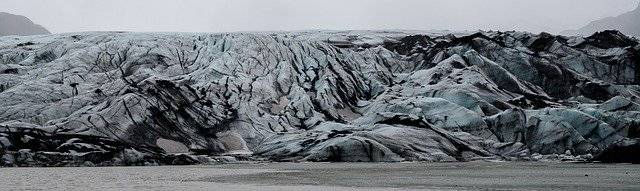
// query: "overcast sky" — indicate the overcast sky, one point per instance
point(260, 15)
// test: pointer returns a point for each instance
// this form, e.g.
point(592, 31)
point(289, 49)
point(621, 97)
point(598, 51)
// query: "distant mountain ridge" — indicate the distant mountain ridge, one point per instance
point(627, 23)
point(11, 24)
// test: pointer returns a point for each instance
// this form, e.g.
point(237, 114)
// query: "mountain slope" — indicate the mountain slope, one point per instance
point(626, 23)
point(19, 25)
point(108, 98)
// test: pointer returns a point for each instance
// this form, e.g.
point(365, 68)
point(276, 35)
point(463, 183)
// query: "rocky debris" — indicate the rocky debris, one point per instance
point(567, 157)
point(98, 99)
point(42, 149)
point(170, 146)
point(34, 147)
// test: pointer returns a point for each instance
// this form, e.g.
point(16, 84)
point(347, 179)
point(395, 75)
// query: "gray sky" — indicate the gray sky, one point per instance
point(260, 15)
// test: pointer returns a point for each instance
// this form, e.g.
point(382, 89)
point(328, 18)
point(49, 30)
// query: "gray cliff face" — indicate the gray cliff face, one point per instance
point(19, 25)
point(108, 98)
point(626, 23)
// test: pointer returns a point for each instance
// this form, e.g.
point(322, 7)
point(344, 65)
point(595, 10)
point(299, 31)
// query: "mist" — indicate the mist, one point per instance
point(272, 15)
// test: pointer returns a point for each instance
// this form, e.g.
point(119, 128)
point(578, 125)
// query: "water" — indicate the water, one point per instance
point(330, 176)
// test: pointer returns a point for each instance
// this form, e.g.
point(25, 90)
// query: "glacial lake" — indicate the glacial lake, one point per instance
point(331, 176)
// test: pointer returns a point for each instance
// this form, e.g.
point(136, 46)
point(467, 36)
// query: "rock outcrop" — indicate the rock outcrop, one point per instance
point(108, 98)
point(19, 25)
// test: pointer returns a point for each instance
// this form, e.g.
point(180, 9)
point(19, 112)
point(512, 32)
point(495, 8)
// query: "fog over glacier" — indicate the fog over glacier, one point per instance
point(269, 15)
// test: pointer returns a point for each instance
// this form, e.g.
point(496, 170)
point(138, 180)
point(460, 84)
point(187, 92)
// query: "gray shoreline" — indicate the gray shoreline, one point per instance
point(332, 176)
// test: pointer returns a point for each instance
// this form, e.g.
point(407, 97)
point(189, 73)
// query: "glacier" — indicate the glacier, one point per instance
point(106, 98)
